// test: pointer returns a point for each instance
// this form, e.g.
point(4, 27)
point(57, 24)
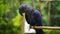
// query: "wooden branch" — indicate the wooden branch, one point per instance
point(23, 19)
point(33, 3)
point(45, 27)
point(21, 1)
point(49, 8)
point(50, 0)
point(40, 6)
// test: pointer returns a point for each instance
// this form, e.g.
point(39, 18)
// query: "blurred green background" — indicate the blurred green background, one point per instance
point(10, 19)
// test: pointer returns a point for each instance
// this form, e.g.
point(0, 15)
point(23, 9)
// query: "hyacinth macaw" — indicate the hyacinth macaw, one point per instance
point(33, 16)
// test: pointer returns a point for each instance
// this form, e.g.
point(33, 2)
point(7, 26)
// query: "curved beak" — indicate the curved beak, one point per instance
point(21, 13)
point(22, 10)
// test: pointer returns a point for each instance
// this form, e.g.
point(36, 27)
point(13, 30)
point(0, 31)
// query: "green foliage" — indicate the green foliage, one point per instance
point(8, 16)
point(55, 13)
point(51, 31)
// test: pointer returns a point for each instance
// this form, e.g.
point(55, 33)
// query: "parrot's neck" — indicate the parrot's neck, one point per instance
point(29, 10)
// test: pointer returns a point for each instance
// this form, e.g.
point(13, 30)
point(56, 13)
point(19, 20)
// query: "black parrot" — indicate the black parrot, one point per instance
point(33, 16)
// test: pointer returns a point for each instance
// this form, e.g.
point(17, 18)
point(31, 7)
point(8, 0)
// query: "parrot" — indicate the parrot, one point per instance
point(33, 16)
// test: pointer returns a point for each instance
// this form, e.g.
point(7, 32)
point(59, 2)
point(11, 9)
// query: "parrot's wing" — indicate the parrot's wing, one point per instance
point(38, 18)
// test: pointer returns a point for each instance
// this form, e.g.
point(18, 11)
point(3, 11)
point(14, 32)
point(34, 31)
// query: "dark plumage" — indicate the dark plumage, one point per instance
point(33, 16)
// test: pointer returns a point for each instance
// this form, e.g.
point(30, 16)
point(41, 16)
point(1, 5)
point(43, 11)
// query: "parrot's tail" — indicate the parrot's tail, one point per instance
point(39, 31)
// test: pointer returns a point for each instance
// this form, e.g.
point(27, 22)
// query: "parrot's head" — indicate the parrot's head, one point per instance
point(23, 7)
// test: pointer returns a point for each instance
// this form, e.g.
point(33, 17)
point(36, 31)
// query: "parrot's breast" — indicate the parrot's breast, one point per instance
point(30, 19)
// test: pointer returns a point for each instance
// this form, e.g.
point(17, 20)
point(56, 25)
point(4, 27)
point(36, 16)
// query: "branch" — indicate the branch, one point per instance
point(50, 0)
point(46, 27)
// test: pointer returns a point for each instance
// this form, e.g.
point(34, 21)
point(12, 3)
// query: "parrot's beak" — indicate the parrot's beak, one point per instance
point(21, 13)
point(22, 10)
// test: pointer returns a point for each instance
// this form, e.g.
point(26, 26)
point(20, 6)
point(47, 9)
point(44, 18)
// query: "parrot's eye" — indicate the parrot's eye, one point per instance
point(21, 9)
